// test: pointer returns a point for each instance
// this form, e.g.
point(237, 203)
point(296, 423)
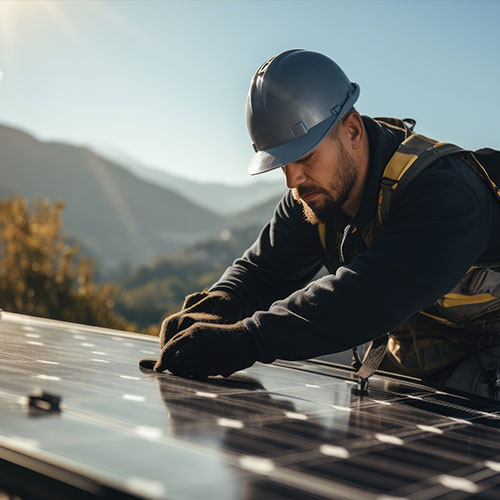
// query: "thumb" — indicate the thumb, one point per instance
point(147, 363)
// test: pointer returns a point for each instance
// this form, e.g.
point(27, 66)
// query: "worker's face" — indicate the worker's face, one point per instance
point(323, 180)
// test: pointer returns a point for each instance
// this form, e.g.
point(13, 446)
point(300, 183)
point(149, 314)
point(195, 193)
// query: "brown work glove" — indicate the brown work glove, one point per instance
point(206, 349)
point(206, 307)
point(200, 307)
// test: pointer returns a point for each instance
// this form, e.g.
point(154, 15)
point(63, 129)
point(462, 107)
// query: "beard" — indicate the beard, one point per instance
point(339, 187)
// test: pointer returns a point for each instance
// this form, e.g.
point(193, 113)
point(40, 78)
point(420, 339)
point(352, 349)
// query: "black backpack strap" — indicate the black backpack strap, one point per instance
point(413, 155)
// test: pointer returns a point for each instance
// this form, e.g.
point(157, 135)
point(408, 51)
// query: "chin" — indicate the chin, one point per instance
point(310, 214)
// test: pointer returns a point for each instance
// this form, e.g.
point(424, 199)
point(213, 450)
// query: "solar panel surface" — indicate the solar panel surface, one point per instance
point(286, 430)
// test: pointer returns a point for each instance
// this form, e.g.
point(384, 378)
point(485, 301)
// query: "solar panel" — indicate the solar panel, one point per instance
point(297, 430)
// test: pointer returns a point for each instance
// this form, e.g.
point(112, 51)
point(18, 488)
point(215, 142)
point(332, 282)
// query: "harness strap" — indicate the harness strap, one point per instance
point(372, 359)
point(405, 125)
point(398, 174)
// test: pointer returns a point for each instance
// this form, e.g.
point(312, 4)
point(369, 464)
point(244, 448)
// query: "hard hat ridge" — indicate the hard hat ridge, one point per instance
point(294, 99)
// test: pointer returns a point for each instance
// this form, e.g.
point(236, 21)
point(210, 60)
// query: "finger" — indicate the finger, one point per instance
point(167, 361)
point(146, 371)
point(168, 328)
point(193, 299)
point(181, 361)
point(161, 362)
point(185, 321)
point(147, 363)
point(163, 331)
point(187, 354)
point(174, 325)
point(183, 345)
point(169, 350)
point(181, 322)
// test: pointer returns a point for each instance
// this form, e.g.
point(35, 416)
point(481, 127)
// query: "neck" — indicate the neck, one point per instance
point(350, 207)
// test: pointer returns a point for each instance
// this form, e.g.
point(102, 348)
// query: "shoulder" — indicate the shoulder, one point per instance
point(447, 179)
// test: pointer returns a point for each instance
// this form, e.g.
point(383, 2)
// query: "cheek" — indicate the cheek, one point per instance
point(324, 175)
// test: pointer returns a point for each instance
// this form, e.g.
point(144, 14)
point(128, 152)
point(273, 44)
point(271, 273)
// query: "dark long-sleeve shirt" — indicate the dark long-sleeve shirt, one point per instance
point(441, 223)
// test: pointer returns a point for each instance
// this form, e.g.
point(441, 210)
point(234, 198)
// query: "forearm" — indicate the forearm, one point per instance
point(285, 257)
point(330, 315)
point(256, 290)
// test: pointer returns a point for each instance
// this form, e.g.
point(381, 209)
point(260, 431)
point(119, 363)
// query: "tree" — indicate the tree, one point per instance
point(39, 271)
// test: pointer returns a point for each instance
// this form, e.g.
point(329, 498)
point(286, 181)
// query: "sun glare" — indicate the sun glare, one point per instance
point(7, 21)
point(54, 12)
point(20, 18)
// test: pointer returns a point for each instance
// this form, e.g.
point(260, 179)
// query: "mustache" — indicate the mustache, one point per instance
point(302, 191)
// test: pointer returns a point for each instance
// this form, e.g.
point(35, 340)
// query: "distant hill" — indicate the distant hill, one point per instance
point(158, 289)
point(223, 199)
point(119, 217)
point(257, 215)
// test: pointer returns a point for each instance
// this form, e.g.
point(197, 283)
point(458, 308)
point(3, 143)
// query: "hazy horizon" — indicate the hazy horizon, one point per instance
point(131, 164)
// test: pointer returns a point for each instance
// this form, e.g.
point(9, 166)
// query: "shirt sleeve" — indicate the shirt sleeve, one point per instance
point(437, 229)
point(286, 255)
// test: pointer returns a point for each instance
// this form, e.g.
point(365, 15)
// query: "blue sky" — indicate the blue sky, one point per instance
point(165, 82)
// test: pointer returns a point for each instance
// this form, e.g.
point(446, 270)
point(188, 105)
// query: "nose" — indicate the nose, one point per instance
point(294, 175)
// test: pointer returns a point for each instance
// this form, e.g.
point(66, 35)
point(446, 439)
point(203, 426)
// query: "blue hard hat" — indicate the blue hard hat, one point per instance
point(294, 100)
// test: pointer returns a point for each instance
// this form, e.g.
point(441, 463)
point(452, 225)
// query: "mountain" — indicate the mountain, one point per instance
point(257, 215)
point(154, 290)
point(119, 217)
point(220, 198)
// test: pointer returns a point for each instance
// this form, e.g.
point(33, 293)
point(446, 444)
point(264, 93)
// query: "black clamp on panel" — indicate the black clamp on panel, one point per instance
point(45, 402)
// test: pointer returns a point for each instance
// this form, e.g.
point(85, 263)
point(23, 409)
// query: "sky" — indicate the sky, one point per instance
point(165, 82)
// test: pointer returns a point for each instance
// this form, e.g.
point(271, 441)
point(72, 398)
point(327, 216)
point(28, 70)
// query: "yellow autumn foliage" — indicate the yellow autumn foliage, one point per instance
point(40, 274)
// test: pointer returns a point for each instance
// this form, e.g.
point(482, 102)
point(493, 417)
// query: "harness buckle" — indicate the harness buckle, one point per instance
point(387, 183)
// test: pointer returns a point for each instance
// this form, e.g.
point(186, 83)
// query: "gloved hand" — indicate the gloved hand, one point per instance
point(206, 307)
point(217, 306)
point(206, 349)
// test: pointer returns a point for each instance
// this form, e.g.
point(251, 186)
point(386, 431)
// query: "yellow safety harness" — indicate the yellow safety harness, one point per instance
point(478, 292)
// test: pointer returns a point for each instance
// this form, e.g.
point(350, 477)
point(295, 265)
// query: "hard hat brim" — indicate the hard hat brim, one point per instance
point(290, 151)
point(298, 147)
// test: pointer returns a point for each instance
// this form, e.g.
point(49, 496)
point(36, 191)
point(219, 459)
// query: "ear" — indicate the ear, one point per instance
point(354, 130)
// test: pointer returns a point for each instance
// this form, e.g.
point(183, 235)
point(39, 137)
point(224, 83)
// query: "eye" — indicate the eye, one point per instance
point(305, 160)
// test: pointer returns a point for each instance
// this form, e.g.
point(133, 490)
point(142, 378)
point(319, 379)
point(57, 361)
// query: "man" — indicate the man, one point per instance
point(387, 273)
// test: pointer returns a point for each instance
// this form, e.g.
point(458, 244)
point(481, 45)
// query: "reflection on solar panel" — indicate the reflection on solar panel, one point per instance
point(287, 430)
